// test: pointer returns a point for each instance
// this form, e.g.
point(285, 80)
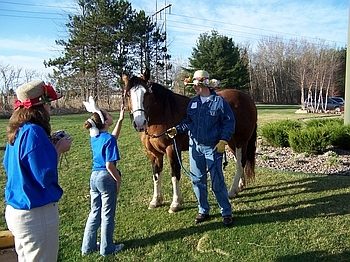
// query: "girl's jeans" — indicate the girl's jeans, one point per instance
point(103, 193)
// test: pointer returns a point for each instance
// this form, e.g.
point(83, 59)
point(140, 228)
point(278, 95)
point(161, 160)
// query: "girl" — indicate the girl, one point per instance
point(105, 181)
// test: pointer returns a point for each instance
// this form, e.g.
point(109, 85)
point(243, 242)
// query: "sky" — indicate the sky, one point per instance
point(29, 28)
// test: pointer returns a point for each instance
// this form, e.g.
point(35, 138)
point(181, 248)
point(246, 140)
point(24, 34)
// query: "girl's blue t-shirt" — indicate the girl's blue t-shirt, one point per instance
point(31, 169)
point(104, 149)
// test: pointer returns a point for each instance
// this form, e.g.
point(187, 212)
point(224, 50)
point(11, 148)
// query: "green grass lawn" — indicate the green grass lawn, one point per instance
point(279, 217)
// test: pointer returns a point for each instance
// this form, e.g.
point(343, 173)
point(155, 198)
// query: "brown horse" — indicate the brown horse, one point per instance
point(155, 109)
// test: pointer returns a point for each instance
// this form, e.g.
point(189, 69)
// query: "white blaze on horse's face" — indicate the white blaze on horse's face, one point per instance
point(137, 94)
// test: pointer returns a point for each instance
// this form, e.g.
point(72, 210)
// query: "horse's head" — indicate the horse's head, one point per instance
point(136, 90)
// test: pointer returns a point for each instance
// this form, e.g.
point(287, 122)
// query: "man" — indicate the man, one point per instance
point(210, 123)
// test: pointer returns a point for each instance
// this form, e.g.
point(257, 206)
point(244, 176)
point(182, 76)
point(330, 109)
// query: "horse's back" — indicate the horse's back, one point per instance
point(244, 110)
point(238, 100)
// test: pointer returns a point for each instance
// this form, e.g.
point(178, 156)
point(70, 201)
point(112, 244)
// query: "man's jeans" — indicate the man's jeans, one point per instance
point(202, 159)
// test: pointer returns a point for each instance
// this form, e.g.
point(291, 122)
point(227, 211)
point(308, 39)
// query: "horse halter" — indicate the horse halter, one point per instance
point(145, 111)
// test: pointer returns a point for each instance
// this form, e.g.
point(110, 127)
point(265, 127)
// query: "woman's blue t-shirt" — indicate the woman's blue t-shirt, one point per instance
point(31, 169)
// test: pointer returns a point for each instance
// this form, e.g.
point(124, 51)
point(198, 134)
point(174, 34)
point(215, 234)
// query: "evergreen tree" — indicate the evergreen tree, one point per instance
point(106, 39)
point(219, 55)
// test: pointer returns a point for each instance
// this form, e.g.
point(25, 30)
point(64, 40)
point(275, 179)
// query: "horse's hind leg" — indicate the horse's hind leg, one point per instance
point(238, 182)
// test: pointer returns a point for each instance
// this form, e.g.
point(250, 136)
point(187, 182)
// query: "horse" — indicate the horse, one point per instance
point(155, 109)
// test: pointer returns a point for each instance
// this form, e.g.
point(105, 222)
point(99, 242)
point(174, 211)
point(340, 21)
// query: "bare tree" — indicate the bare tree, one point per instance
point(178, 75)
point(10, 77)
point(287, 72)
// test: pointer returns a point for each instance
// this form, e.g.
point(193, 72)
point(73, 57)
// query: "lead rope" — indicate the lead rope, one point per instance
point(155, 136)
point(190, 174)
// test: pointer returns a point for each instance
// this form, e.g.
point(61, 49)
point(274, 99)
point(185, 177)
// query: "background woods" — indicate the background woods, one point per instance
point(286, 73)
point(107, 38)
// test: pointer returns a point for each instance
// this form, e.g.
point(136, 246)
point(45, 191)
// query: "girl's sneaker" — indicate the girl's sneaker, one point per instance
point(97, 249)
point(118, 248)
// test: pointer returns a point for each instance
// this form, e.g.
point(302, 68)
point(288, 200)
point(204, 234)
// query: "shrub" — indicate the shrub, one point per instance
point(339, 133)
point(277, 133)
point(313, 136)
point(310, 140)
point(341, 137)
point(323, 122)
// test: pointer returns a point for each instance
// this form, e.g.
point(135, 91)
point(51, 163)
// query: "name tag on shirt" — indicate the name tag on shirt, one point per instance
point(194, 105)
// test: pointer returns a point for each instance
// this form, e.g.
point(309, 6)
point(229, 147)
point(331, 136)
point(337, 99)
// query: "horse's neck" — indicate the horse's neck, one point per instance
point(169, 115)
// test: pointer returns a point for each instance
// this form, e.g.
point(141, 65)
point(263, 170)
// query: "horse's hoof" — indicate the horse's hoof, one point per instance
point(153, 206)
point(174, 209)
point(232, 195)
point(155, 202)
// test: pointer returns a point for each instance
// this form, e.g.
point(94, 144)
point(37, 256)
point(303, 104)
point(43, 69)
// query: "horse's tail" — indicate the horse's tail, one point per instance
point(249, 168)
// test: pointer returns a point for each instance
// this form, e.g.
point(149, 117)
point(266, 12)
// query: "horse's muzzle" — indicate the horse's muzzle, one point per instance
point(140, 128)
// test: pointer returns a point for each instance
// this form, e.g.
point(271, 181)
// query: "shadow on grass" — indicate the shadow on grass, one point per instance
point(304, 198)
point(175, 234)
point(316, 256)
point(307, 197)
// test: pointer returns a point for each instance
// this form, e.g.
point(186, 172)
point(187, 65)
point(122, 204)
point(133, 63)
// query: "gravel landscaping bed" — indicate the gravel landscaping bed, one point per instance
point(332, 162)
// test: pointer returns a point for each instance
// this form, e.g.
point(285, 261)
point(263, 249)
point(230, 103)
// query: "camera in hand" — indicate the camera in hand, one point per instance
point(57, 136)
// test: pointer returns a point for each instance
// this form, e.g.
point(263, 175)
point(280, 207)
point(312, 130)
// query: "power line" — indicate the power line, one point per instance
point(202, 26)
point(33, 17)
point(29, 12)
point(234, 33)
point(27, 4)
point(182, 17)
point(174, 24)
point(22, 13)
point(244, 32)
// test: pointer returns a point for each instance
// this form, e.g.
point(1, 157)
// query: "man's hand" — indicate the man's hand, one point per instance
point(171, 132)
point(220, 147)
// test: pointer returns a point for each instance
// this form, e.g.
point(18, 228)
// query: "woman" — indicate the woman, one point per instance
point(32, 191)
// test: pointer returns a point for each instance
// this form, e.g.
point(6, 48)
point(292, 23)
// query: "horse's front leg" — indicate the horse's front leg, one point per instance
point(176, 204)
point(238, 181)
point(157, 166)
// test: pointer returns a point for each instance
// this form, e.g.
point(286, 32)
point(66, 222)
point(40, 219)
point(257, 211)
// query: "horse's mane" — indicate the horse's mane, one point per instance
point(166, 97)
point(163, 95)
point(134, 81)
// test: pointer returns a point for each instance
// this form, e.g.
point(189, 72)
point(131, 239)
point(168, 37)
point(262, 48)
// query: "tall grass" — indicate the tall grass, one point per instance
point(279, 217)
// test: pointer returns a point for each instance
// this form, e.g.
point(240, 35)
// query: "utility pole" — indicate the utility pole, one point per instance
point(347, 79)
point(165, 41)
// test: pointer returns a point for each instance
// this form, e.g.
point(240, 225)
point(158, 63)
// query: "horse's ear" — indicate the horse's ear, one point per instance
point(125, 79)
point(146, 75)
